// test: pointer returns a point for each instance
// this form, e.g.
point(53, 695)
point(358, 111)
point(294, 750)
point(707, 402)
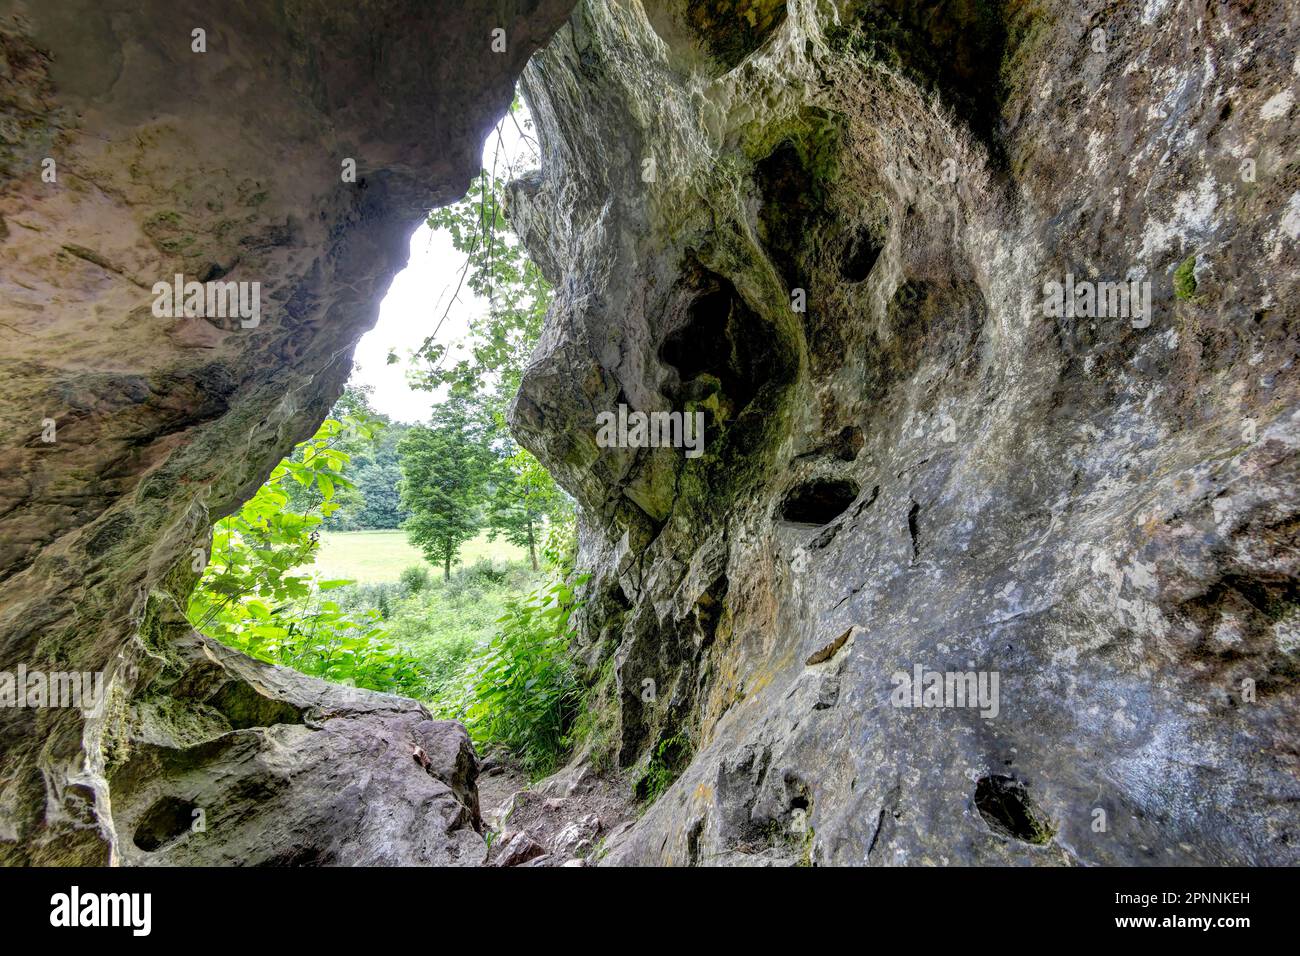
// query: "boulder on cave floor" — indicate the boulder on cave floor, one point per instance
point(226, 760)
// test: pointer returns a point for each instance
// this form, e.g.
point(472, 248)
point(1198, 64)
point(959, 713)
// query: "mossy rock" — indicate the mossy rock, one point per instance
point(1185, 280)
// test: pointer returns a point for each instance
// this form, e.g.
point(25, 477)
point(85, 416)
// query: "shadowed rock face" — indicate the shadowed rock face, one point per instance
point(225, 164)
point(925, 468)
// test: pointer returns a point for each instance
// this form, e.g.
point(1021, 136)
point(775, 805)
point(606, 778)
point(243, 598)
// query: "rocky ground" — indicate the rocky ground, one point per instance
point(564, 821)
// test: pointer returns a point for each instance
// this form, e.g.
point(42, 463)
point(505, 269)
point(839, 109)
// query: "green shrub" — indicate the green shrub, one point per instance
point(442, 634)
point(596, 728)
point(522, 692)
point(383, 598)
point(415, 578)
point(484, 573)
point(449, 621)
point(257, 592)
point(332, 644)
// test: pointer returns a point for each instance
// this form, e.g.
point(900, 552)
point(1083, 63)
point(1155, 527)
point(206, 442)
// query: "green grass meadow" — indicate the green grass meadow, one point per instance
point(375, 557)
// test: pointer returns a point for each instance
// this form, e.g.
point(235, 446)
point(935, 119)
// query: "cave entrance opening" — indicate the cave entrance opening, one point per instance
point(386, 551)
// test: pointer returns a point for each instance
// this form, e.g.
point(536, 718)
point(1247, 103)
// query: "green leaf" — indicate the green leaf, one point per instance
point(334, 583)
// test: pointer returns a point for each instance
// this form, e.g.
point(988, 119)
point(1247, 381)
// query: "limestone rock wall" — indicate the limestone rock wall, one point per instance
point(223, 164)
point(925, 468)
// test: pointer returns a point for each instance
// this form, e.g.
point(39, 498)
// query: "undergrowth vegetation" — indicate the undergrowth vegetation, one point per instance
point(521, 691)
point(488, 645)
point(258, 594)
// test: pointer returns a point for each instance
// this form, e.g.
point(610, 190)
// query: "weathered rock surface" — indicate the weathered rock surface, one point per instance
point(219, 759)
point(225, 164)
point(923, 468)
point(520, 849)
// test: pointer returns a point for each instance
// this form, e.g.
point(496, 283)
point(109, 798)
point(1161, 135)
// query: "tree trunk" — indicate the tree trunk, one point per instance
point(446, 567)
point(532, 546)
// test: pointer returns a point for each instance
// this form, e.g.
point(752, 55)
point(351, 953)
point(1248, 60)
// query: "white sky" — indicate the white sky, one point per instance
point(420, 292)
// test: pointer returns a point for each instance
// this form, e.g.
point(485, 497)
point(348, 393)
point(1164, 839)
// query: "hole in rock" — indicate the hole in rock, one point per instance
point(788, 192)
point(693, 842)
point(819, 501)
point(701, 346)
point(1007, 808)
point(330, 566)
point(246, 706)
point(955, 47)
point(798, 796)
point(719, 346)
point(860, 256)
point(848, 443)
point(666, 763)
point(165, 822)
point(727, 30)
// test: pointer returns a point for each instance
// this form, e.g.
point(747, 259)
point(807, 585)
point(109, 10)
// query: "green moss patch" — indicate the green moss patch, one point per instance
point(1185, 279)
